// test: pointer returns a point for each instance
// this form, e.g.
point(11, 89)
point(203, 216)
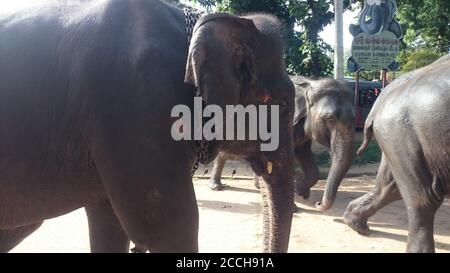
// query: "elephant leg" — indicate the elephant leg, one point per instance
point(159, 217)
point(105, 232)
point(305, 158)
point(10, 238)
point(421, 204)
point(154, 202)
point(419, 188)
point(421, 228)
point(215, 183)
point(385, 192)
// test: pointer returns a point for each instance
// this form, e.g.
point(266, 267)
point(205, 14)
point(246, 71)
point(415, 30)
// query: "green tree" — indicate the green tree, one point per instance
point(426, 27)
point(416, 58)
point(425, 23)
point(313, 16)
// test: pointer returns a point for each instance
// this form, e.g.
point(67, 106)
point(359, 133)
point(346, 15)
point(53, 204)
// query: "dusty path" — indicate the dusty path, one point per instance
point(230, 221)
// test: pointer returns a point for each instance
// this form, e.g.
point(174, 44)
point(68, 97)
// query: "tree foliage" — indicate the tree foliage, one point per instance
point(426, 28)
point(426, 23)
point(413, 59)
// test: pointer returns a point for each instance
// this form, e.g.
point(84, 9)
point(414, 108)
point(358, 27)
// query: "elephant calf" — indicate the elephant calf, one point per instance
point(411, 122)
point(324, 112)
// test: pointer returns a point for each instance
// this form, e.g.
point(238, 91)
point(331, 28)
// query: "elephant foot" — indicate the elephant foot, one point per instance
point(215, 185)
point(356, 223)
point(295, 208)
point(138, 249)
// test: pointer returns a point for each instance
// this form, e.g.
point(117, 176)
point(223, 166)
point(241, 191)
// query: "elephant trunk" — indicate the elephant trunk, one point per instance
point(278, 199)
point(375, 24)
point(342, 149)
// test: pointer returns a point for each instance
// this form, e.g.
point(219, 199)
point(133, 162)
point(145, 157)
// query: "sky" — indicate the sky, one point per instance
point(10, 5)
point(327, 34)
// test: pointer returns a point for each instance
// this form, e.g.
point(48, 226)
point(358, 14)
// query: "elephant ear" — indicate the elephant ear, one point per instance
point(221, 61)
point(302, 101)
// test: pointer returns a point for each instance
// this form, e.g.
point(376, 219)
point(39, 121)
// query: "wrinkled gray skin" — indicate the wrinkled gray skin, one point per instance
point(324, 113)
point(411, 122)
point(86, 92)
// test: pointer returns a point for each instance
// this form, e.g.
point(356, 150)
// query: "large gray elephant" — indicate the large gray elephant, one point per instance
point(411, 122)
point(86, 93)
point(324, 113)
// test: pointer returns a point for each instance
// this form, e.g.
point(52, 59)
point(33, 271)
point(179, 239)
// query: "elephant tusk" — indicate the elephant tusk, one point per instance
point(269, 167)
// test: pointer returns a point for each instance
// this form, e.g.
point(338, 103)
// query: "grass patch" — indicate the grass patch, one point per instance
point(371, 155)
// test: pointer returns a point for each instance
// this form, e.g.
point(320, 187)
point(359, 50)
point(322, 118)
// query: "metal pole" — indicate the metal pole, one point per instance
point(339, 37)
point(357, 105)
point(383, 78)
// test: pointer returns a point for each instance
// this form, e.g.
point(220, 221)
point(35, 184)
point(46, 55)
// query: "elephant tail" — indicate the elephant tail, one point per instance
point(368, 134)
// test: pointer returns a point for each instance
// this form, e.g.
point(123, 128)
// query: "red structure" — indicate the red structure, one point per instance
point(366, 93)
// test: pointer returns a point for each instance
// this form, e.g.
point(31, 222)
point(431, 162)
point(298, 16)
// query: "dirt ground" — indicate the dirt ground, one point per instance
point(231, 221)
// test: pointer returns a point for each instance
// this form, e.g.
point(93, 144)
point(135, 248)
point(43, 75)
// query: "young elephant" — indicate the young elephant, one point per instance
point(324, 112)
point(411, 122)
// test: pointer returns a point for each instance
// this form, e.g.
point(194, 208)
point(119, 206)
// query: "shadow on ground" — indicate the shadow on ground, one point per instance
point(393, 217)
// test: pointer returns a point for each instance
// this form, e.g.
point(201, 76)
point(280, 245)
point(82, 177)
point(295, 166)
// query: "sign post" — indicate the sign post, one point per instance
point(375, 52)
point(375, 46)
point(339, 44)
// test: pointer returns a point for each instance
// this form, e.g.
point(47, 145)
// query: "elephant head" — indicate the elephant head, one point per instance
point(376, 15)
point(239, 61)
point(325, 113)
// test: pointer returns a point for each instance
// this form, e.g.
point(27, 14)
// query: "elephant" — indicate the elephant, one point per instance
point(86, 94)
point(325, 113)
point(411, 122)
point(381, 18)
